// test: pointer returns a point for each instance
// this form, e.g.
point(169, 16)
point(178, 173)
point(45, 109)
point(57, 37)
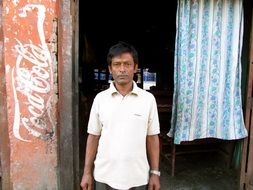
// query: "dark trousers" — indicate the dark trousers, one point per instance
point(103, 186)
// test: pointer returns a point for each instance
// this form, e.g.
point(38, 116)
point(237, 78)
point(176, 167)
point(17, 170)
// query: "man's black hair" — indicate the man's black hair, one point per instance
point(120, 48)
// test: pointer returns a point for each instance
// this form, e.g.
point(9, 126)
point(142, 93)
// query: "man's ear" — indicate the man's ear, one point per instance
point(135, 68)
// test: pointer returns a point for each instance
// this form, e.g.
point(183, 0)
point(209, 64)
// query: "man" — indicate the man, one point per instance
point(123, 143)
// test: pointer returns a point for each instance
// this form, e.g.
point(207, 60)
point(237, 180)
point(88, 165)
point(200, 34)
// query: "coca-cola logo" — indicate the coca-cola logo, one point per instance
point(32, 82)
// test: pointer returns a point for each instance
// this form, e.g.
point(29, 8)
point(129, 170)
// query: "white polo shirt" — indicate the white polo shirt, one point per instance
point(123, 123)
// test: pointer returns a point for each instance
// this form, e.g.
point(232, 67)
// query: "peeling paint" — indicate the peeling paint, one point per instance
point(6, 40)
point(7, 10)
point(14, 18)
point(15, 2)
point(7, 68)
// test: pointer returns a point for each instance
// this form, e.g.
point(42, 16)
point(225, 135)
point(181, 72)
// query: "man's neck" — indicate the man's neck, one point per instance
point(124, 89)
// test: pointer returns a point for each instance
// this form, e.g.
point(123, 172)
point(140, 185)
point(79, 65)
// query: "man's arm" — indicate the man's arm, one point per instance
point(153, 156)
point(91, 150)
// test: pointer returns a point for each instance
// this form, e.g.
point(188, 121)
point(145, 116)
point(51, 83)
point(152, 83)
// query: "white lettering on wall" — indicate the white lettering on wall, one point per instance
point(32, 83)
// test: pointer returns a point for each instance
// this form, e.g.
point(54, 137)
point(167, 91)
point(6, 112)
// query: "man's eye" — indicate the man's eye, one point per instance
point(116, 64)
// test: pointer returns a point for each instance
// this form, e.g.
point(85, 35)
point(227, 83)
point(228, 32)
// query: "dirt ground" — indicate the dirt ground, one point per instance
point(202, 171)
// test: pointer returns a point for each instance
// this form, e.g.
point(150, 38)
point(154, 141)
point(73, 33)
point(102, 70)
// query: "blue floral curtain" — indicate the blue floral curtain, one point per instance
point(207, 71)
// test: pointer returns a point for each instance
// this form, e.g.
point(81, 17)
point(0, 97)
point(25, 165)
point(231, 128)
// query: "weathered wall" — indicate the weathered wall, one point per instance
point(68, 135)
point(30, 33)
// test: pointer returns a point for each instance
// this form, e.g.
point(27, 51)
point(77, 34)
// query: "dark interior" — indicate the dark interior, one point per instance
point(151, 29)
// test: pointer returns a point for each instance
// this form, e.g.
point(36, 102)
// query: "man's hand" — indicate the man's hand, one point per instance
point(154, 182)
point(87, 182)
point(91, 150)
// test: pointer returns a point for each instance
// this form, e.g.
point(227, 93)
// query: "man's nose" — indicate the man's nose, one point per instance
point(122, 67)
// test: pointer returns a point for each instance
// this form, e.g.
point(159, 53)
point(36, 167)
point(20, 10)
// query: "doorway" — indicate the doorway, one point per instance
point(152, 31)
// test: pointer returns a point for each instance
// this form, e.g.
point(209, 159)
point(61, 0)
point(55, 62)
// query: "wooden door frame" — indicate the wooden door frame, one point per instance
point(4, 133)
point(68, 142)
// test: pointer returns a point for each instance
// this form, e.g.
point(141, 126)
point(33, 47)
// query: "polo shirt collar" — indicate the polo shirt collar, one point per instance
point(113, 90)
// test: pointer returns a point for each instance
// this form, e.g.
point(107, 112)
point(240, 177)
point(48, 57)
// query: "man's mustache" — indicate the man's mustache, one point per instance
point(122, 75)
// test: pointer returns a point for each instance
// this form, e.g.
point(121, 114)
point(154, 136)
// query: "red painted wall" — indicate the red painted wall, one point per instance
point(29, 33)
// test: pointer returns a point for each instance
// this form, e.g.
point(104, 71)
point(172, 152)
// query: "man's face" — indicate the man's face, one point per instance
point(123, 68)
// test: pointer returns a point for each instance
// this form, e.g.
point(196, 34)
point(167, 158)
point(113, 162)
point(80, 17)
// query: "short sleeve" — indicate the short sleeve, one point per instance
point(94, 124)
point(153, 121)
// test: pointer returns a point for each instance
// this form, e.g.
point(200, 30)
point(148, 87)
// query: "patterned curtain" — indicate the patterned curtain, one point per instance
point(207, 71)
